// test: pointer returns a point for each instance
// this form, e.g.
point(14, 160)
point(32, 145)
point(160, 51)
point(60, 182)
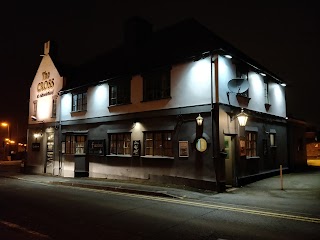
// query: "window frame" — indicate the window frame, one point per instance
point(122, 93)
point(54, 106)
point(272, 139)
point(251, 144)
point(79, 102)
point(157, 84)
point(115, 142)
point(35, 107)
point(242, 71)
point(154, 145)
point(75, 144)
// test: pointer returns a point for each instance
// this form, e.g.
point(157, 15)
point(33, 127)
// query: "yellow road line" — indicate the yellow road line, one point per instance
point(207, 205)
point(217, 206)
point(25, 230)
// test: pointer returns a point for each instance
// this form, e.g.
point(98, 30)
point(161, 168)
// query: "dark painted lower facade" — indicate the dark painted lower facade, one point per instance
point(162, 146)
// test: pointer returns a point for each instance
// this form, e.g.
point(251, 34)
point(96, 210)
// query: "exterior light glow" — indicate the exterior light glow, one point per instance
point(4, 124)
point(228, 56)
point(242, 118)
point(283, 84)
point(199, 120)
point(263, 74)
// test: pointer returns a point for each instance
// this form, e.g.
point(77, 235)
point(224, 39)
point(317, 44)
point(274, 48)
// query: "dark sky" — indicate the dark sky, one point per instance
point(281, 35)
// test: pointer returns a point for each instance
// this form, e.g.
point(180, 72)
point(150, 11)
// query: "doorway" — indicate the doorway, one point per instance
point(229, 161)
point(49, 153)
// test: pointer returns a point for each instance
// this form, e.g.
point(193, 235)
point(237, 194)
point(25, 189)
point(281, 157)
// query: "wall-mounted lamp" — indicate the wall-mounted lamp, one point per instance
point(228, 56)
point(242, 118)
point(37, 135)
point(199, 120)
point(283, 84)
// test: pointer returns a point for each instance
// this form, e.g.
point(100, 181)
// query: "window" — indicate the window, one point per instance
point(79, 102)
point(119, 92)
point(54, 107)
point(35, 104)
point(272, 137)
point(251, 144)
point(158, 144)
point(266, 92)
point(120, 143)
point(75, 144)
point(156, 85)
point(242, 72)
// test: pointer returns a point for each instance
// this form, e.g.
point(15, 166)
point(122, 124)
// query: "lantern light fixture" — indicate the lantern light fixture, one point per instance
point(242, 118)
point(199, 120)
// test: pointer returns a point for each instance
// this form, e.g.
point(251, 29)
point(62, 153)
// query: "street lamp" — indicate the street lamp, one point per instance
point(4, 124)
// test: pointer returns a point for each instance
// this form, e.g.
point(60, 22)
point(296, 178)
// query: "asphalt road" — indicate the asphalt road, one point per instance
point(33, 210)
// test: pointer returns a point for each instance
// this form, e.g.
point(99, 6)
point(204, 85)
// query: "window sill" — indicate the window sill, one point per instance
point(121, 156)
point(117, 105)
point(75, 154)
point(158, 99)
point(159, 157)
point(256, 157)
point(77, 113)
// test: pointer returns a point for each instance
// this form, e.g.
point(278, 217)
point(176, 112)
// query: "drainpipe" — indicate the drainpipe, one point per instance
point(60, 135)
point(218, 162)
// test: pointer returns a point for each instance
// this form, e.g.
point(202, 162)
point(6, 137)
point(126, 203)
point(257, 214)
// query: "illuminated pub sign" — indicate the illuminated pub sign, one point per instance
point(96, 147)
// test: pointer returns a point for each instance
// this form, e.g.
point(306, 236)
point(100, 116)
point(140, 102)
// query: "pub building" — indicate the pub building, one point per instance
point(164, 106)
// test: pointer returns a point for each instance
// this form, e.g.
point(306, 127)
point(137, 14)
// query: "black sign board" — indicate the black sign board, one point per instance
point(96, 147)
point(35, 147)
point(136, 148)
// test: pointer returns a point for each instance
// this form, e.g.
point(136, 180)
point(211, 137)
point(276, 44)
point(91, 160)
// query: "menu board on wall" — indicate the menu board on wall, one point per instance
point(96, 147)
point(183, 149)
point(136, 148)
point(35, 146)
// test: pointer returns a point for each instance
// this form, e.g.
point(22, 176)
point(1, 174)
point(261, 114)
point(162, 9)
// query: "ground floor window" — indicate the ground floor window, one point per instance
point(251, 144)
point(158, 144)
point(75, 144)
point(120, 143)
point(272, 137)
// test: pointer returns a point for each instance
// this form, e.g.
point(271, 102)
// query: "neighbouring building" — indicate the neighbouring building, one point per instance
point(312, 137)
point(162, 106)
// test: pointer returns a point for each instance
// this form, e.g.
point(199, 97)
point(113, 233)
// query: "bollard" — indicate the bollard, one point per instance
point(281, 178)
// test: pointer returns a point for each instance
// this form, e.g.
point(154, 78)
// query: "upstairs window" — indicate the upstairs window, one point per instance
point(120, 143)
point(158, 144)
point(54, 107)
point(242, 72)
point(119, 92)
point(79, 102)
point(266, 92)
point(35, 106)
point(156, 85)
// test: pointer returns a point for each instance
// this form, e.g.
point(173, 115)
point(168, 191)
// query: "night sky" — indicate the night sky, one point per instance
point(283, 37)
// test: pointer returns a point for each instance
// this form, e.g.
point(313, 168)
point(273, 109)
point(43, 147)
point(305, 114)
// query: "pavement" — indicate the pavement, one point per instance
point(297, 185)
